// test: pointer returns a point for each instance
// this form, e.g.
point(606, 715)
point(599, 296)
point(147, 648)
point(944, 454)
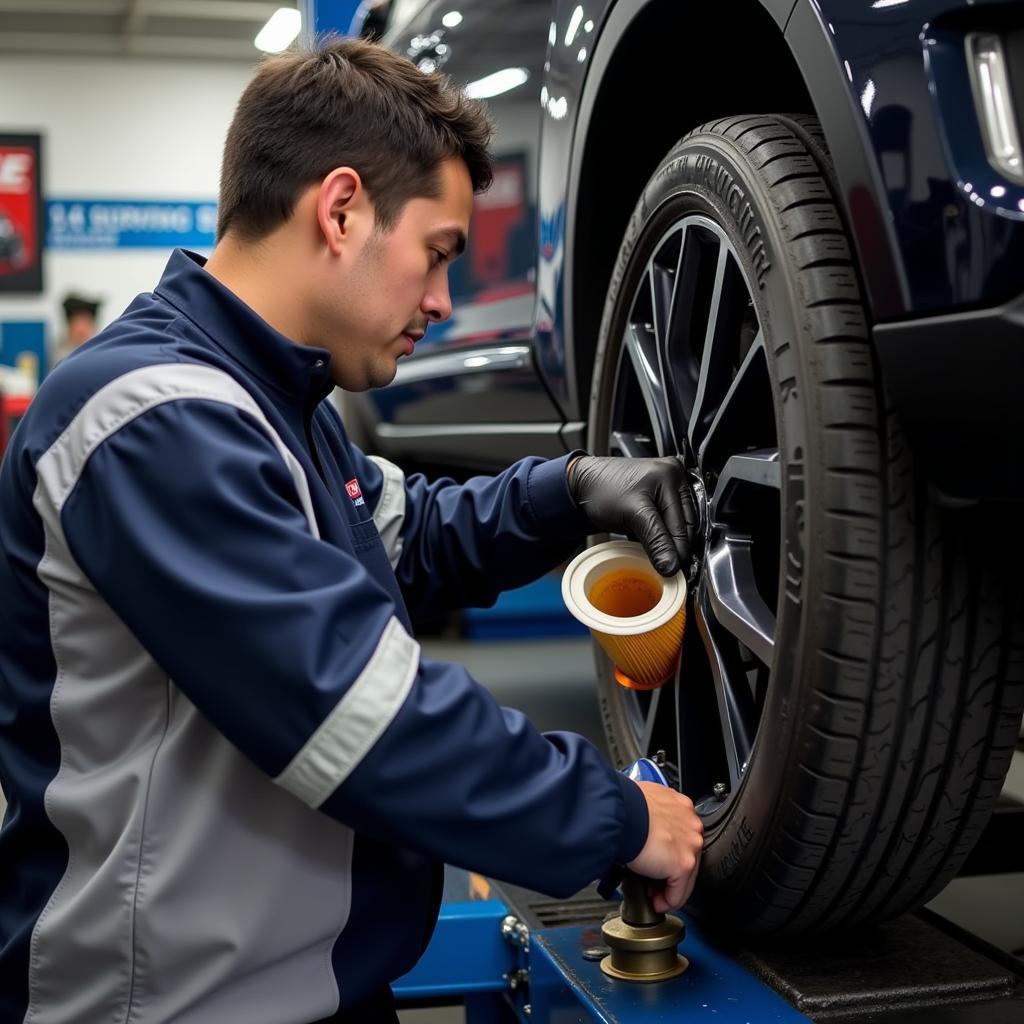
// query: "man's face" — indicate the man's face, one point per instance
point(396, 285)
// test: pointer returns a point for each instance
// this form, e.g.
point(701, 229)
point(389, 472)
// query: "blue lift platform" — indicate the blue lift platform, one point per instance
point(509, 955)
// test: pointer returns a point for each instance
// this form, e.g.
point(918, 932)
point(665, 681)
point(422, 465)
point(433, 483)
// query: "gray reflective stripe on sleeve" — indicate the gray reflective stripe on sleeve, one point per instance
point(389, 515)
point(358, 719)
point(132, 394)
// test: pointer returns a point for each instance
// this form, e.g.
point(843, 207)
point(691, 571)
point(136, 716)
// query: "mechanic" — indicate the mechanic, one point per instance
point(232, 775)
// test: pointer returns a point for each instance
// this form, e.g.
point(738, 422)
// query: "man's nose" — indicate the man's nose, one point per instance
point(437, 303)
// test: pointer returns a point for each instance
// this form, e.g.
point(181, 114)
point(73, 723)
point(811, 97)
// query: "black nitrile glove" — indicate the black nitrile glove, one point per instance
point(648, 498)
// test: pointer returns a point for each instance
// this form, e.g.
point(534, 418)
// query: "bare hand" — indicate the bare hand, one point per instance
point(675, 838)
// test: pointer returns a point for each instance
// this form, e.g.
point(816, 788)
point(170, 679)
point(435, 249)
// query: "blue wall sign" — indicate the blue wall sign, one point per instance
point(23, 344)
point(129, 223)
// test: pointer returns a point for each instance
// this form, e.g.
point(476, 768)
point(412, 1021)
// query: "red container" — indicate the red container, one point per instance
point(12, 408)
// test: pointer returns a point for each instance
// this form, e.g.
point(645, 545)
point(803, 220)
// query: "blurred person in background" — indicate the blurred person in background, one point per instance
point(79, 324)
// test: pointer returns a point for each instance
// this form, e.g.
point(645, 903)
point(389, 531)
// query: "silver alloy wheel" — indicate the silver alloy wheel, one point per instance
point(692, 377)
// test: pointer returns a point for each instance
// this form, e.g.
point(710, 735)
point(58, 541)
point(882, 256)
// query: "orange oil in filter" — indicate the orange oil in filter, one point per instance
point(625, 593)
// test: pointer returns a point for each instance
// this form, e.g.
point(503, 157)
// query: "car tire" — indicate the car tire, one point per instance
point(882, 715)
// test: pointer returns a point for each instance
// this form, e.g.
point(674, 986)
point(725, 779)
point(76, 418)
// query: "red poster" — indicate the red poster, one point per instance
point(21, 214)
point(496, 214)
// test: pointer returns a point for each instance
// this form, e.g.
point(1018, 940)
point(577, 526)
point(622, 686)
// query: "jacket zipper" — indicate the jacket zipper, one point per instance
point(307, 421)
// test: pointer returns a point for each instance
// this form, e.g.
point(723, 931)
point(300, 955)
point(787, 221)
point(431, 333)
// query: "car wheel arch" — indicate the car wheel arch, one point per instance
point(601, 189)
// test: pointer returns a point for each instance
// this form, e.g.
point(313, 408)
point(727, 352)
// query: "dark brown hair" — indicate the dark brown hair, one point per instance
point(345, 103)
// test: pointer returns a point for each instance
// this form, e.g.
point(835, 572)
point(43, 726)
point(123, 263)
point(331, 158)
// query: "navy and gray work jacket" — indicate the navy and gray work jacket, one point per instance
point(231, 773)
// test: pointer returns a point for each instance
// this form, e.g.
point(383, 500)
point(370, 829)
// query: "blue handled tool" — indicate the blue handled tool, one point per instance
point(643, 769)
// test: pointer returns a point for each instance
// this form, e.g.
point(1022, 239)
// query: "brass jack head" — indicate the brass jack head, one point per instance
point(642, 942)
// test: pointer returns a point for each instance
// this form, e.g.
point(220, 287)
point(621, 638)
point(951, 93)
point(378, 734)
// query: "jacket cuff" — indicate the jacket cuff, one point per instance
point(634, 832)
point(551, 504)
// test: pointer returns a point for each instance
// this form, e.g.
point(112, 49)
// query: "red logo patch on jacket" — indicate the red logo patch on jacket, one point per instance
point(354, 492)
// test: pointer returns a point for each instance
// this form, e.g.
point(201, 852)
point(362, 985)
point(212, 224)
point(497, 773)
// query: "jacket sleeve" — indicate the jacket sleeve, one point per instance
point(189, 523)
point(461, 545)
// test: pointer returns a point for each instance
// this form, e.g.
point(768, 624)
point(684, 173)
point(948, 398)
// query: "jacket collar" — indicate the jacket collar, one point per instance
point(302, 371)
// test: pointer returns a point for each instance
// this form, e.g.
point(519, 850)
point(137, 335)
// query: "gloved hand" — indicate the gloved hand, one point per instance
point(648, 498)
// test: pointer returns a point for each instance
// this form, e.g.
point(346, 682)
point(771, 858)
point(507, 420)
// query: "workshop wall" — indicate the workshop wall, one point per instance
point(122, 129)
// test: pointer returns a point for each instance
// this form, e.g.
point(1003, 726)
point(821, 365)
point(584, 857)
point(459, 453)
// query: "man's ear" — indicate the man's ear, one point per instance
point(340, 192)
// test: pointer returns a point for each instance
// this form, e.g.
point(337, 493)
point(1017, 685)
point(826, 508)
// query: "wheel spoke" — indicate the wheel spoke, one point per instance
point(649, 721)
point(733, 596)
point(753, 367)
point(760, 468)
point(721, 343)
point(678, 721)
point(662, 285)
point(633, 432)
point(679, 347)
point(663, 281)
point(631, 444)
point(641, 346)
point(736, 709)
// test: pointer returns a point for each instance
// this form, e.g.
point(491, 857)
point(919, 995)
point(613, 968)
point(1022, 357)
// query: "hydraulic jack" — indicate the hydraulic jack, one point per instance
point(642, 942)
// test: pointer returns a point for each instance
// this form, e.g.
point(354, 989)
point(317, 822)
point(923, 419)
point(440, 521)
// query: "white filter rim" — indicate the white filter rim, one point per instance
point(583, 571)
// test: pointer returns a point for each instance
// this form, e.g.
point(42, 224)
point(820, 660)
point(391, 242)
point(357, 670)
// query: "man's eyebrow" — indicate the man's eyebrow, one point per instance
point(455, 237)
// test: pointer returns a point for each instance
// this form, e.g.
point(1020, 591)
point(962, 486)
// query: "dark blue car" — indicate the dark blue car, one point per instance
point(784, 238)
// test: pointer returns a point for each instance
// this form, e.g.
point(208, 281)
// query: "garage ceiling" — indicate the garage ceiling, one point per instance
point(207, 29)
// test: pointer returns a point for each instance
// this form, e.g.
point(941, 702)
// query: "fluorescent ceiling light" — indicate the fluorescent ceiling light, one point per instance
point(496, 84)
point(878, 4)
point(574, 24)
point(280, 30)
